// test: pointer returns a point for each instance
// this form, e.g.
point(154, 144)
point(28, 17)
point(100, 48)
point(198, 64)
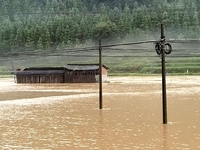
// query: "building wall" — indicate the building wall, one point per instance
point(86, 76)
point(40, 78)
point(104, 71)
point(104, 78)
point(80, 77)
point(104, 75)
point(77, 76)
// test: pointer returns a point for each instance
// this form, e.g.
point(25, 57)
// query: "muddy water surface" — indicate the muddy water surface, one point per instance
point(66, 116)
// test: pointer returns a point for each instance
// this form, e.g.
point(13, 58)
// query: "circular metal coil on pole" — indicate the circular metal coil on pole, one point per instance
point(158, 47)
point(168, 48)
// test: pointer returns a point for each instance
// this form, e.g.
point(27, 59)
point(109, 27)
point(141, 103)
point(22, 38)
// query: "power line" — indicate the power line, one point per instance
point(131, 43)
point(89, 49)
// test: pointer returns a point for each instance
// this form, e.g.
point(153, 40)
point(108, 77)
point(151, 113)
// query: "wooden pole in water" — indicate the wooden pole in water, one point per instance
point(164, 100)
point(100, 77)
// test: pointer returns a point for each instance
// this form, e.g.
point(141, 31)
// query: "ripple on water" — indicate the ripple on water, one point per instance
point(131, 119)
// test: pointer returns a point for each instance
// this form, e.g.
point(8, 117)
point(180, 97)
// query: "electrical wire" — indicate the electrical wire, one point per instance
point(131, 43)
point(90, 49)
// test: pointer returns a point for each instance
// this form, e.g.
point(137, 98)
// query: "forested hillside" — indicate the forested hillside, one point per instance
point(56, 24)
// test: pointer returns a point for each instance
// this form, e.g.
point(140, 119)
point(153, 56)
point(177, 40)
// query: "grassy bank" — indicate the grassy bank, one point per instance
point(143, 67)
point(122, 61)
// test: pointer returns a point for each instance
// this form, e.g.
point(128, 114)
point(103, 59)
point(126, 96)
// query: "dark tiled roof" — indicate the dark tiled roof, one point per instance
point(37, 72)
point(57, 70)
point(44, 68)
point(83, 66)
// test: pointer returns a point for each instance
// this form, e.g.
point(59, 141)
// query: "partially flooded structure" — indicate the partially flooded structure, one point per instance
point(71, 73)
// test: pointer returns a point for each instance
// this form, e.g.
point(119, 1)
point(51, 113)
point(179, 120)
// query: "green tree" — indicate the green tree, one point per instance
point(107, 31)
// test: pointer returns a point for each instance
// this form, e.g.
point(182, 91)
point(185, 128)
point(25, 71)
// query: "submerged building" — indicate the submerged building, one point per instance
point(72, 73)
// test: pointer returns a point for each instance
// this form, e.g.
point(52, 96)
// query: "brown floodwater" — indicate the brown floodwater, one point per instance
point(67, 116)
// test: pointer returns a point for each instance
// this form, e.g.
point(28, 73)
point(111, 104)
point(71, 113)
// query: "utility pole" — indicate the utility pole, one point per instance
point(100, 77)
point(164, 99)
point(162, 49)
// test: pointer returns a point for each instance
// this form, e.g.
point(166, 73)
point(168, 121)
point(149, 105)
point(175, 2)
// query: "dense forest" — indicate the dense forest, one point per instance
point(57, 24)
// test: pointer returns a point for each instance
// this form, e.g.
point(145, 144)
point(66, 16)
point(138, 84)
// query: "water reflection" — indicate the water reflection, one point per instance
point(165, 131)
point(33, 117)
